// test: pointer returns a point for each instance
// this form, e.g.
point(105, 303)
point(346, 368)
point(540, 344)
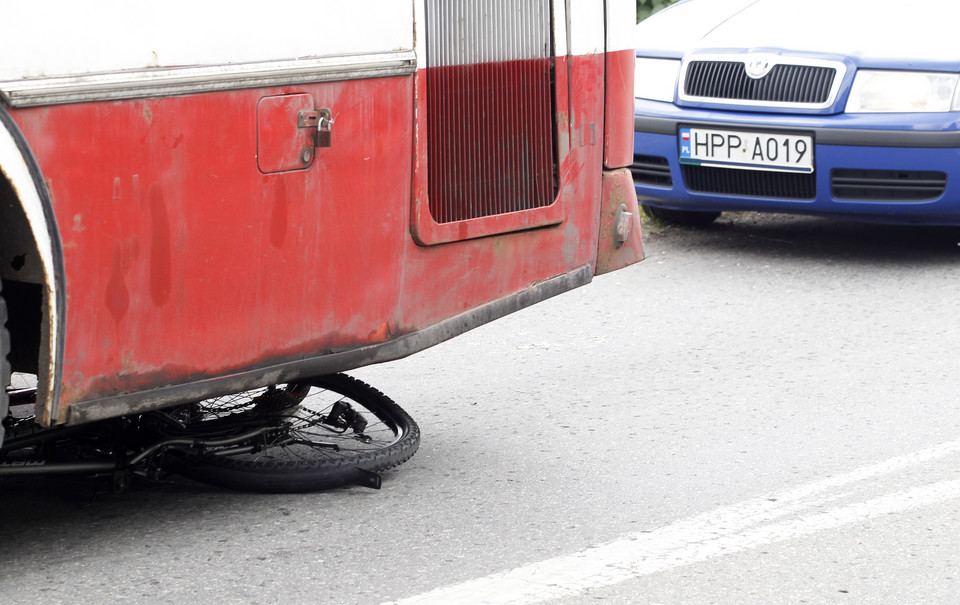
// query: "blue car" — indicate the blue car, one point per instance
point(836, 108)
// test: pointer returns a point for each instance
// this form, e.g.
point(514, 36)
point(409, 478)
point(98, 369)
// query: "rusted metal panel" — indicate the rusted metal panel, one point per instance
point(621, 242)
point(490, 127)
point(618, 81)
point(618, 121)
point(493, 124)
point(401, 346)
point(184, 260)
point(284, 141)
point(202, 252)
point(491, 139)
point(481, 269)
point(20, 170)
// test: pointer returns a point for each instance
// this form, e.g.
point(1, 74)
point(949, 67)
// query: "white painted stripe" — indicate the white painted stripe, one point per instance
point(586, 21)
point(724, 531)
point(61, 37)
point(133, 84)
point(487, 31)
point(621, 21)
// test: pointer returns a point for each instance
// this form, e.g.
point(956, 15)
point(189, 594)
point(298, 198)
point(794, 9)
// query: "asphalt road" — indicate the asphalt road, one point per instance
point(764, 411)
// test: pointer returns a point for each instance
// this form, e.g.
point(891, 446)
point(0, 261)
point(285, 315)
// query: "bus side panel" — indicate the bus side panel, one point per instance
point(200, 242)
point(184, 260)
point(448, 278)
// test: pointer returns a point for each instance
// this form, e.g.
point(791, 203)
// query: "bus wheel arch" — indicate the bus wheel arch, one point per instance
point(31, 270)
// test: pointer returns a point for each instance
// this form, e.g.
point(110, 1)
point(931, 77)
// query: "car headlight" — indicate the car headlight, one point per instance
point(655, 79)
point(876, 91)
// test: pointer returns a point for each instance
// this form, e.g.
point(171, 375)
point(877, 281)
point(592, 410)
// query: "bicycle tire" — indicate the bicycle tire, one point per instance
point(284, 467)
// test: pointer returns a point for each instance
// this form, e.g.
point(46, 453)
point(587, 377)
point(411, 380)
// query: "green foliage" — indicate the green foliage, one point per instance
point(645, 8)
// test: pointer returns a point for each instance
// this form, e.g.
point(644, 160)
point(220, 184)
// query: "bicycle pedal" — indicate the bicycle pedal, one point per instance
point(369, 479)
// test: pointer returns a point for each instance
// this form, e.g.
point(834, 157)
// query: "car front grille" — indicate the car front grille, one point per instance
point(887, 185)
point(727, 181)
point(651, 170)
point(784, 84)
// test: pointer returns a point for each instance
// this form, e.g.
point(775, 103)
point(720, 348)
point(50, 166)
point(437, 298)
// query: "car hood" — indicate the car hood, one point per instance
point(870, 32)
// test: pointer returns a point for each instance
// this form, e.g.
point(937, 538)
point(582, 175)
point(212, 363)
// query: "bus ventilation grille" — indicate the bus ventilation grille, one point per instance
point(490, 128)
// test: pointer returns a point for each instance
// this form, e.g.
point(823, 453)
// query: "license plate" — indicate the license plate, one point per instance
point(746, 150)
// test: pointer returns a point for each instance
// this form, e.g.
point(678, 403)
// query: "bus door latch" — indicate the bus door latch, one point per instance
point(321, 121)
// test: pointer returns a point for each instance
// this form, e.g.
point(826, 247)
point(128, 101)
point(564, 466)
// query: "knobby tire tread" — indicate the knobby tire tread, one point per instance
point(279, 476)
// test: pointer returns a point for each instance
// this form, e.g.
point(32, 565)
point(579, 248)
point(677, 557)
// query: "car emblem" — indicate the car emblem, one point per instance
point(759, 66)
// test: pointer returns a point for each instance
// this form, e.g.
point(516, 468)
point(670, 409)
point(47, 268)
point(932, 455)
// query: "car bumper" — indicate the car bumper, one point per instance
point(892, 168)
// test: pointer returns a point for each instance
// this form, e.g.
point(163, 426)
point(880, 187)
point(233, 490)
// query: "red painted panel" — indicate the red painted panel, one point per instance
point(491, 139)
point(621, 242)
point(428, 231)
point(454, 277)
point(184, 260)
point(618, 123)
point(281, 144)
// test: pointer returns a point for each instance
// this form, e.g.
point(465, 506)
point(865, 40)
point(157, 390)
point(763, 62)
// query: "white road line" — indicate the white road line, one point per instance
point(727, 530)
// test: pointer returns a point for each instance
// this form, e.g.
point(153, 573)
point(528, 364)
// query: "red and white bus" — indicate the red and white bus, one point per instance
point(203, 198)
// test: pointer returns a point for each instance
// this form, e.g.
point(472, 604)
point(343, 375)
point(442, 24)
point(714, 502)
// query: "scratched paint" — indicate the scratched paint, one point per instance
point(186, 259)
point(587, 73)
point(161, 255)
point(618, 122)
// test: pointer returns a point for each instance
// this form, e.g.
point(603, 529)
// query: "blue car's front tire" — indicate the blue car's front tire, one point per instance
point(687, 218)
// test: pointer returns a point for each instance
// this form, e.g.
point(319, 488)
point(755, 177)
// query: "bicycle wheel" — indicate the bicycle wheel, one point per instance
point(319, 433)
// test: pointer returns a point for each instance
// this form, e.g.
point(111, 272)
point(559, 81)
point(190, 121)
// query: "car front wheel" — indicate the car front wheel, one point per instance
point(688, 218)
